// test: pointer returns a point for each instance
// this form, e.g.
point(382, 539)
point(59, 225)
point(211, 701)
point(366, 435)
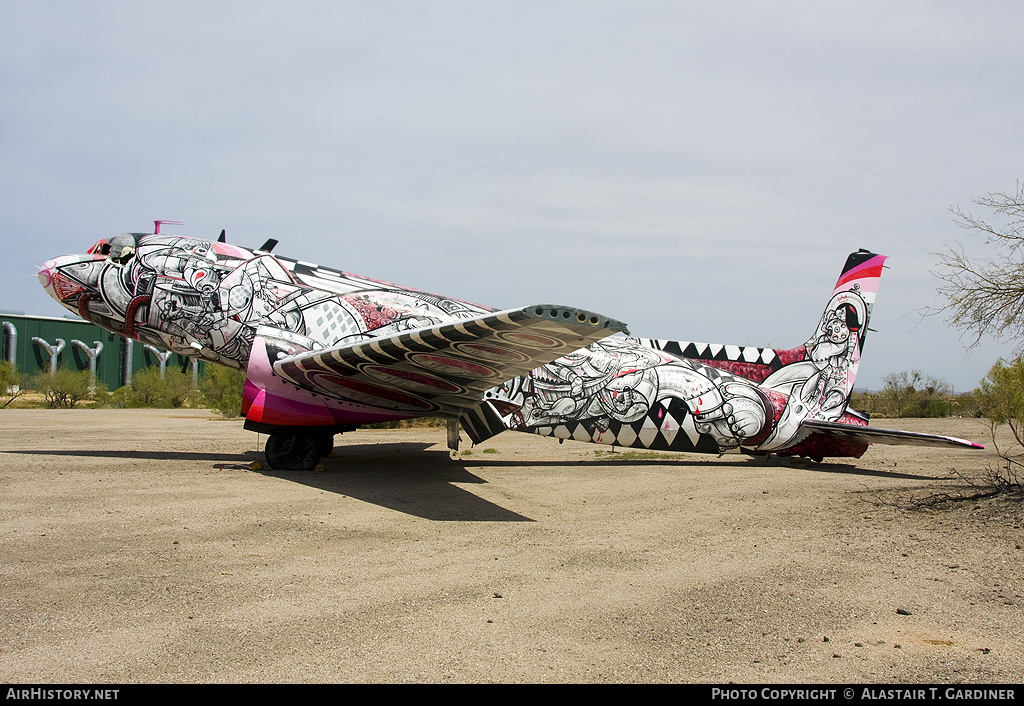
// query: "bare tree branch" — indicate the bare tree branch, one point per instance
point(985, 297)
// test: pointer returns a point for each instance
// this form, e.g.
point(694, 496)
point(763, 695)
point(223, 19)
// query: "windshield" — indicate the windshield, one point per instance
point(119, 249)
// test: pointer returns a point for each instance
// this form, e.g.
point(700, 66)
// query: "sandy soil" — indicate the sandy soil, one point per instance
point(141, 546)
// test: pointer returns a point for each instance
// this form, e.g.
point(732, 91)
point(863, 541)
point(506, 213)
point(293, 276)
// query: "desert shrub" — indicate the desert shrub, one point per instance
point(1001, 395)
point(222, 389)
point(180, 389)
point(151, 389)
point(63, 387)
point(935, 408)
point(117, 399)
point(1001, 400)
point(911, 393)
point(147, 389)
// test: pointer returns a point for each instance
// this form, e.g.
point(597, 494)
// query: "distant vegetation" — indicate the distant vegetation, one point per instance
point(914, 394)
point(220, 389)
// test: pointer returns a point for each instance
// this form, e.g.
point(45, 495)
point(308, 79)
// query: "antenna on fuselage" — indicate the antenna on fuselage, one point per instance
point(157, 225)
point(223, 237)
point(268, 246)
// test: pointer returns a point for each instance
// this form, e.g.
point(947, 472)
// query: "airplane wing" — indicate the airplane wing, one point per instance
point(871, 435)
point(443, 370)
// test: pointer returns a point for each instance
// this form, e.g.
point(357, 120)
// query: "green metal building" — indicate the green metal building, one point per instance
point(42, 343)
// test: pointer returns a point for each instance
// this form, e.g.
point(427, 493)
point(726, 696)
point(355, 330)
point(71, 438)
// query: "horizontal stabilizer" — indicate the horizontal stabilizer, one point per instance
point(871, 435)
point(443, 370)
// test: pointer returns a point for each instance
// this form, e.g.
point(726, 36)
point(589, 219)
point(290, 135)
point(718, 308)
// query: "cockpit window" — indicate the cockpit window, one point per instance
point(121, 249)
point(100, 248)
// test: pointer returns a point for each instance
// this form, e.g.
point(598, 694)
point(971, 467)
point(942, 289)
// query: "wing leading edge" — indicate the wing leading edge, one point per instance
point(443, 370)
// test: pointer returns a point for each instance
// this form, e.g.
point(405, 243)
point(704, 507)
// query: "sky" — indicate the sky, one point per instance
point(697, 170)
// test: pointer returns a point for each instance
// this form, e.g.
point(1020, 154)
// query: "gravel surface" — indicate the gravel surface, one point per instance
point(145, 546)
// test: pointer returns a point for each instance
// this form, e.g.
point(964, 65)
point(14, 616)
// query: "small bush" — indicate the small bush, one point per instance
point(117, 399)
point(222, 389)
point(1001, 399)
point(63, 387)
point(149, 389)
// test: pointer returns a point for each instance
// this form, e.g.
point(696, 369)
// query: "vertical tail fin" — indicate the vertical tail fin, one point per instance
point(835, 347)
point(860, 276)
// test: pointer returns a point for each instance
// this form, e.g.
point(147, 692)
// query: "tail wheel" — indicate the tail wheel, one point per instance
point(293, 452)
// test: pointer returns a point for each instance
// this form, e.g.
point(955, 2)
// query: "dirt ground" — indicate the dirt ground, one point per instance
point(142, 546)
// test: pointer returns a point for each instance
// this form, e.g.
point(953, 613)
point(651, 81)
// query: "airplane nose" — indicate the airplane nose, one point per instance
point(48, 272)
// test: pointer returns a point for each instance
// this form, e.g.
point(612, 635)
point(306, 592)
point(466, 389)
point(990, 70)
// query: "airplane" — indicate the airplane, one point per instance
point(326, 351)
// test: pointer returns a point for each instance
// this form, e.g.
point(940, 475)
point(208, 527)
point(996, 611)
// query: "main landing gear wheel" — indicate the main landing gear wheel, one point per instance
point(296, 452)
point(325, 445)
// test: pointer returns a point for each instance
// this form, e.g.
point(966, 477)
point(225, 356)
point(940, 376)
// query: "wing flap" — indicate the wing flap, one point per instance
point(872, 435)
point(444, 369)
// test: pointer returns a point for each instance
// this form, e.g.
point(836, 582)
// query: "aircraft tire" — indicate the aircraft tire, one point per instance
point(292, 452)
point(325, 445)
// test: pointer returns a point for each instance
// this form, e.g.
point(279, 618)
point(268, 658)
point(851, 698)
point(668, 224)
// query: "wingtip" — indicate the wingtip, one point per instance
point(965, 442)
point(572, 315)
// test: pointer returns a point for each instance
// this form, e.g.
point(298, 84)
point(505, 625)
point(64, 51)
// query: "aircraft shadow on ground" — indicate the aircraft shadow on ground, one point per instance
point(406, 477)
point(417, 478)
point(420, 479)
point(411, 478)
point(144, 454)
point(683, 460)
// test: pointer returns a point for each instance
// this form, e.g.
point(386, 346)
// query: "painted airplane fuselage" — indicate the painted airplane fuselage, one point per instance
point(220, 303)
point(206, 299)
